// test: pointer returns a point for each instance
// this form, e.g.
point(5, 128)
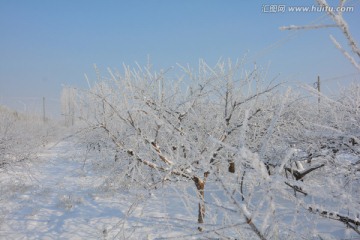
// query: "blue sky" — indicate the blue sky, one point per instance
point(47, 44)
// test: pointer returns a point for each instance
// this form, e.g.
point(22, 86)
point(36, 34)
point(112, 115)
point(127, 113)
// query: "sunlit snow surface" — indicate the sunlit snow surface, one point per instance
point(60, 196)
point(57, 198)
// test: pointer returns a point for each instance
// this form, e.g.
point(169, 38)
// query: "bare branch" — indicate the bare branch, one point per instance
point(299, 175)
point(296, 188)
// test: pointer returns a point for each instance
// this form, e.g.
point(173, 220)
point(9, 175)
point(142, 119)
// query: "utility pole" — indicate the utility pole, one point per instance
point(44, 116)
point(318, 88)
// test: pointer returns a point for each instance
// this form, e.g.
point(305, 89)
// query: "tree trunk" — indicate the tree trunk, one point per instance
point(200, 186)
point(231, 166)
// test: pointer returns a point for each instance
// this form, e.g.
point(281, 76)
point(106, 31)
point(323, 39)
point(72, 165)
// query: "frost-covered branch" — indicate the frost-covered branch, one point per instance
point(307, 27)
point(340, 22)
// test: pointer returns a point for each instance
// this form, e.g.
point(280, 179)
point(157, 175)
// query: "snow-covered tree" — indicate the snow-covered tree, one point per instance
point(21, 136)
point(306, 167)
point(172, 129)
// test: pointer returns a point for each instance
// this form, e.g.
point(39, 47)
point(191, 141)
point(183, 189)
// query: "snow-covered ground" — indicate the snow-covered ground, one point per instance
point(57, 197)
point(65, 195)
